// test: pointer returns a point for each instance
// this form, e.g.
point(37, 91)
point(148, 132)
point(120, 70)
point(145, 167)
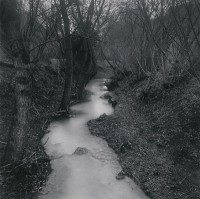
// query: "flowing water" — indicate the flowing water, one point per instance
point(92, 174)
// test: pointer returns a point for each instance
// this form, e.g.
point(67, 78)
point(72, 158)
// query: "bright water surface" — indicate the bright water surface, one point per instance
point(91, 175)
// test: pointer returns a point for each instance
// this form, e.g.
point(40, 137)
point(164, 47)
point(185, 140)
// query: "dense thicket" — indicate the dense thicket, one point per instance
point(155, 39)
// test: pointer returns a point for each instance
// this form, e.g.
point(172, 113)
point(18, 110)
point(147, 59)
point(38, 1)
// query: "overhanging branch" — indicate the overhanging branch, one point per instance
point(58, 39)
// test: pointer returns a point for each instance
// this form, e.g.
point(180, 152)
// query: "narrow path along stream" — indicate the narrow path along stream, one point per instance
point(88, 172)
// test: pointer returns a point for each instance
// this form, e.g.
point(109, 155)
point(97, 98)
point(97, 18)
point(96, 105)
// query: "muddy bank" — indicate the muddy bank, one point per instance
point(156, 138)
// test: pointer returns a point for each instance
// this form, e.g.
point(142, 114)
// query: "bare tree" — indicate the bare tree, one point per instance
point(21, 42)
point(68, 57)
point(89, 19)
point(161, 39)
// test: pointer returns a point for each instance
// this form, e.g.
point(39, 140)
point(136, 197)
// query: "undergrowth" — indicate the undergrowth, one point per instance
point(26, 178)
point(156, 137)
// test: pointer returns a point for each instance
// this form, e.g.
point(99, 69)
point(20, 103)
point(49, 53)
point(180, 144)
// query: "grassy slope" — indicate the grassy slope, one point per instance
point(157, 140)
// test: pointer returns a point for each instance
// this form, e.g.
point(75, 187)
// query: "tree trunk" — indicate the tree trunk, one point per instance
point(19, 131)
point(69, 59)
point(87, 65)
point(67, 90)
point(82, 80)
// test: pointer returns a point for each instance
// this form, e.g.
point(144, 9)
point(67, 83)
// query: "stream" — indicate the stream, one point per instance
point(84, 167)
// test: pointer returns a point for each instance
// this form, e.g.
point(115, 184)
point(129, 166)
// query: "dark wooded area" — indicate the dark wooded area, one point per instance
point(50, 50)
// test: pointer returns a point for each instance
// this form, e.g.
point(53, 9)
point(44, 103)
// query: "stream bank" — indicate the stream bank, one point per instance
point(84, 167)
point(25, 179)
point(157, 138)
